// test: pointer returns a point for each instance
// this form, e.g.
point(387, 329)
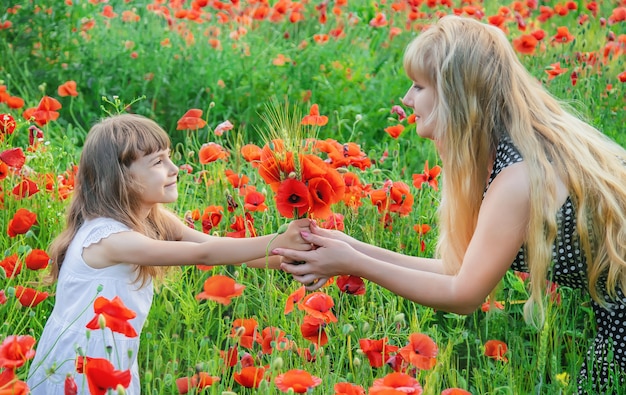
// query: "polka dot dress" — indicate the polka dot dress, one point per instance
point(606, 358)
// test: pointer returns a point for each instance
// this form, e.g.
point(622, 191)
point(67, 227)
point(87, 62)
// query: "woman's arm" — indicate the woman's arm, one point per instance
point(382, 254)
point(499, 233)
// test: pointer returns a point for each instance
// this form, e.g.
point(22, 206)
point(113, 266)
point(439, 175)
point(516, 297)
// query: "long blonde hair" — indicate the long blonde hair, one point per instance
point(105, 188)
point(484, 92)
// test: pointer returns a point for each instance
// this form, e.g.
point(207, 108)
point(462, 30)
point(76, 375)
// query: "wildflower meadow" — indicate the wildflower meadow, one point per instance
point(240, 86)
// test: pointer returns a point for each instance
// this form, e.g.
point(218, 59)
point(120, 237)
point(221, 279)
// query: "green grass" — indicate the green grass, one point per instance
point(355, 79)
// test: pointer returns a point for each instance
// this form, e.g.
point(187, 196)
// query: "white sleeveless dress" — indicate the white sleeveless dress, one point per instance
point(65, 330)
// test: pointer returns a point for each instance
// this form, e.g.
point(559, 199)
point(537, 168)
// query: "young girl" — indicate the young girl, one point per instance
point(528, 186)
point(118, 237)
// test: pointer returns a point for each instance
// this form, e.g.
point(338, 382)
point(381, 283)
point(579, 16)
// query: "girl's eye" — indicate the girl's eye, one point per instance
point(416, 87)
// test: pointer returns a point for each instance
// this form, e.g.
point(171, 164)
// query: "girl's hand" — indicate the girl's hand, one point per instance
point(292, 238)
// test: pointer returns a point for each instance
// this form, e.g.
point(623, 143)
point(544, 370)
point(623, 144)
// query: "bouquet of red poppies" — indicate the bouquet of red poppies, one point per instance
point(304, 184)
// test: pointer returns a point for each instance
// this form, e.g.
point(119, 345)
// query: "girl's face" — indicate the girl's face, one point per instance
point(157, 175)
point(421, 98)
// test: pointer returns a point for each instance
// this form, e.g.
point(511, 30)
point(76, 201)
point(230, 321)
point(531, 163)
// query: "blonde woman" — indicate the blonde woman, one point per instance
point(527, 186)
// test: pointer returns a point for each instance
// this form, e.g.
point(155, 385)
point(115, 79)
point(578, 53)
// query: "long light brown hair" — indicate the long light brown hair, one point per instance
point(483, 92)
point(105, 188)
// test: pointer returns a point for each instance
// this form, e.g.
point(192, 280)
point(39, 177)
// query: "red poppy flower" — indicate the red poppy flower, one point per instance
point(380, 20)
point(455, 391)
point(251, 153)
point(319, 39)
point(525, 44)
point(294, 298)
point(312, 329)
point(554, 70)
point(7, 124)
point(246, 330)
point(299, 381)
point(11, 265)
point(395, 131)
point(35, 135)
point(10, 385)
point(198, 381)
point(376, 351)
point(319, 305)
point(16, 350)
point(397, 363)
point(496, 349)
point(421, 351)
point(13, 157)
point(4, 170)
point(15, 102)
point(192, 120)
point(211, 217)
point(334, 221)
point(116, 316)
point(485, 307)
point(314, 118)
point(102, 375)
point(293, 198)
point(242, 226)
point(68, 89)
point(255, 201)
point(355, 191)
point(353, 285)
point(400, 111)
point(393, 197)
point(622, 76)
point(275, 163)
point(274, 338)
point(29, 297)
point(223, 127)
point(25, 188)
point(250, 377)
point(236, 180)
point(210, 152)
point(45, 111)
point(323, 194)
point(220, 289)
point(230, 356)
point(37, 260)
point(69, 386)
point(348, 389)
point(3, 297)
point(429, 176)
point(396, 381)
point(562, 35)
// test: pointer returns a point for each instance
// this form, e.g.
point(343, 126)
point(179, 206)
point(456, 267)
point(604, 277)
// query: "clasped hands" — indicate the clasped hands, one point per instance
point(323, 259)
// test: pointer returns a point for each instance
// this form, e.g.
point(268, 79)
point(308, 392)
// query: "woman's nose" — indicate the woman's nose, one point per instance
point(407, 101)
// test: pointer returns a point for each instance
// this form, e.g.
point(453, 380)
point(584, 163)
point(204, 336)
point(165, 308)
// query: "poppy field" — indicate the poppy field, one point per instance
point(266, 100)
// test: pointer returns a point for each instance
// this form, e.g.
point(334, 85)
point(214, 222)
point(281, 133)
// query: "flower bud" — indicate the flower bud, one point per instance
point(277, 363)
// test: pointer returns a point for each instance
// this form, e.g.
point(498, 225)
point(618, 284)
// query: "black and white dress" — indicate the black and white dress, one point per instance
point(607, 353)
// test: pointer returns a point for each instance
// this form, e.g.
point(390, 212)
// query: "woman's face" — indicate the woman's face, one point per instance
point(421, 98)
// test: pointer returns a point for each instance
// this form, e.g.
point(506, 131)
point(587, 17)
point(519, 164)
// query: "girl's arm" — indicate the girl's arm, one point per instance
point(188, 234)
point(137, 249)
point(500, 231)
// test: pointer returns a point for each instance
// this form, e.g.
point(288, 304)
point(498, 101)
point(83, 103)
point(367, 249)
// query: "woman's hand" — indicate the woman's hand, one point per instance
point(329, 258)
